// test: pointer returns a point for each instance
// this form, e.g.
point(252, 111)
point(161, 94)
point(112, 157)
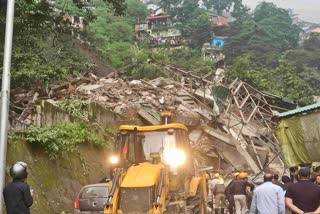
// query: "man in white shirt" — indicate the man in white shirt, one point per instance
point(268, 198)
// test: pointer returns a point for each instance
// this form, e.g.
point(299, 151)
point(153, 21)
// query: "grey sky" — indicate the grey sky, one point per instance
point(308, 10)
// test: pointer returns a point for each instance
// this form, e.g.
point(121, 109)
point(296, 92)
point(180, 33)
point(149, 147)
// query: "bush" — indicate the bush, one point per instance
point(64, 137)
point(75, 107)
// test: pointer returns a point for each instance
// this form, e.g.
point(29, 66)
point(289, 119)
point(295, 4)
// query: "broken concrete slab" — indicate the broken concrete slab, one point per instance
point(195, 135)
point(159, 82)
point(217, 134)
point(87, 89)
point(240, 144)
point(120, 109)
point(148, 117)
point(134, 83)
point(231, 155)
point(186, 116)
point(108, 81)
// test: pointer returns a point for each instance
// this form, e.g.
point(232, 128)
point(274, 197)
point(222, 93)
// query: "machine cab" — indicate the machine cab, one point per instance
point(167, 144)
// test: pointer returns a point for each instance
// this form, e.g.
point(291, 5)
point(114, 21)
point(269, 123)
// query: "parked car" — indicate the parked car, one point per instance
point(91, 199)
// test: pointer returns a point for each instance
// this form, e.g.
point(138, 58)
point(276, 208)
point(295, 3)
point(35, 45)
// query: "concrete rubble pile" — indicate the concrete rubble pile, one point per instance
point(235, 133)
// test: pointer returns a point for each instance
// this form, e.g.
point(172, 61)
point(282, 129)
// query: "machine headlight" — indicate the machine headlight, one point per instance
point(114, 159)
point(174, 157)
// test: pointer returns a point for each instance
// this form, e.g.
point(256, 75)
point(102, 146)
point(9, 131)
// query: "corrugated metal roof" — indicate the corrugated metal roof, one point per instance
point(298, 110)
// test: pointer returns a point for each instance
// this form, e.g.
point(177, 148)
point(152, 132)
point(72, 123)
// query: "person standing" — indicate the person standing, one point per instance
point(239, 188)
point(211, 184)
point(286, 181)
point(303, 196)
point(220, 198)
point(229, 194)
point(17, 194)
point(277, 182)
point(318, 180)
point(268, 198)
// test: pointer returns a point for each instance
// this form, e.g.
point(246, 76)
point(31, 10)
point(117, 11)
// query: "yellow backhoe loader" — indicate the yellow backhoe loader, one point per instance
point(154, 172)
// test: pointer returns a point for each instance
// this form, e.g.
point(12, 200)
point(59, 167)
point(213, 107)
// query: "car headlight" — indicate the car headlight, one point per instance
point(174, 157)
point(114, 159)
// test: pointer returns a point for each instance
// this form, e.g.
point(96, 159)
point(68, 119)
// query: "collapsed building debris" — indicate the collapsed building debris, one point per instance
point(229, 120)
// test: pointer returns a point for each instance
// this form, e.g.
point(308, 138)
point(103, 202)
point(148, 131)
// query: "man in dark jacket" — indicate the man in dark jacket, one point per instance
point(238, 188)
point(229, 194)
point(17, 194)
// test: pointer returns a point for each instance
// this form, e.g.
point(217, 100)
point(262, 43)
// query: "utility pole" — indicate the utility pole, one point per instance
point(5, 96)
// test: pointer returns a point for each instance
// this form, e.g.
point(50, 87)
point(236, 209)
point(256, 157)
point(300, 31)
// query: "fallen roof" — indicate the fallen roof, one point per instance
point(298, 110)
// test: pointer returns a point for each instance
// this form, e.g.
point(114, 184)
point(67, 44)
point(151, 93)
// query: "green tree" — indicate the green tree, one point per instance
point(240, 11)
point(167, 5)
point(200, 28)
point(42, 52)
point(264, 36)
point(284, 80)
point(69, 7)
point(194, 22)
point(118, 53)
point(136, 9)
point(120, 32)
point(219, 5)
point(313, 42)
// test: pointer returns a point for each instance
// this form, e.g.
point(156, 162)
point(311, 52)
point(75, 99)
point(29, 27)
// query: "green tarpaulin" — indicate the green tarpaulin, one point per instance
point(299, 138)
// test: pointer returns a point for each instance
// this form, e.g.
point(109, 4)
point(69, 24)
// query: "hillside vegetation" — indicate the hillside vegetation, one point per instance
point(262, 48)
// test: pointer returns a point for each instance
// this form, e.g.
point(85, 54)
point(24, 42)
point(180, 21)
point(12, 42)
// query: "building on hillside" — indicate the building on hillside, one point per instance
point(219, 21)
point(158, 30)
point(76, 22)
point(315, 31)
point(309, 32)
point(212, 50)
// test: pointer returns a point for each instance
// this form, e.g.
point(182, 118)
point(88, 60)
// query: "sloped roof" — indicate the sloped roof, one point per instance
point(299, 110)
point(316, 30)
point(157, 17)
point(220, 21)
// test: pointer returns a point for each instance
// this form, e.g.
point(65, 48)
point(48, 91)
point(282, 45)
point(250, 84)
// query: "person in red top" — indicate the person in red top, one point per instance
point(304, 196)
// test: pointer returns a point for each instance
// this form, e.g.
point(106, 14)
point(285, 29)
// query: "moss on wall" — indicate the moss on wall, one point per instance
point(56, 183)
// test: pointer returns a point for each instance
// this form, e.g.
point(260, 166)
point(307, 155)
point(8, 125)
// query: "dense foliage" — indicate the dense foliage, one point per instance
point(63, 137)
point(262, 47)
point(41, 53)
point(43, 49)
point(263, 50)
point(263, 36)
point(191, 59)
point(75, 107)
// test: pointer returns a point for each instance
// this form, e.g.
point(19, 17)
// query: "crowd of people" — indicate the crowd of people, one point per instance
point(240, 196)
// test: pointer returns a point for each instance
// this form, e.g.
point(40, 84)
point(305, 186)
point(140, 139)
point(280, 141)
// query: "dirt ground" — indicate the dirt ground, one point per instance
point(101, 68)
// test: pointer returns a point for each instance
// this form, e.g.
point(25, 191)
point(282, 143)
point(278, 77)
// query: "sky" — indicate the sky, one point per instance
point(308, 10)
